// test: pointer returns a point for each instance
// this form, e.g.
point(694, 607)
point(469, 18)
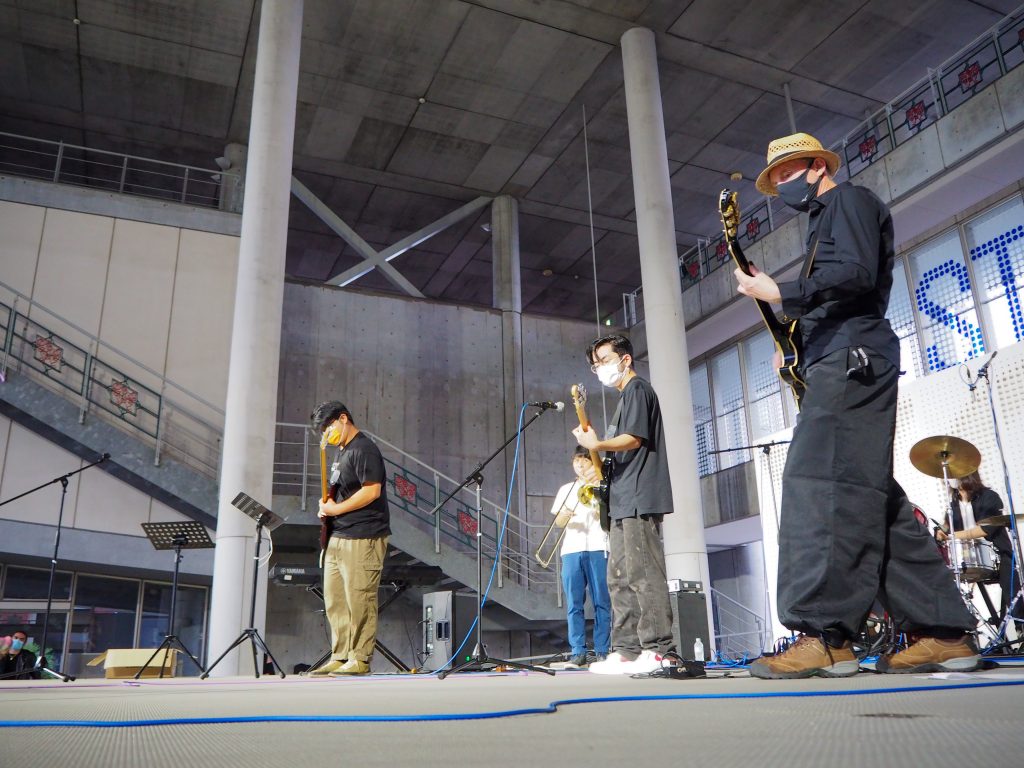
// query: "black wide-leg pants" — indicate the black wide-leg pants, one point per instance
point(848, 533)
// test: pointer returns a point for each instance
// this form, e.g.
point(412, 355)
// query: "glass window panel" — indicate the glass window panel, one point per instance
point(104, 614)
point(700, 391)
point(189, 615)
point(767, 414)
point(901, 317)
point(945, 303)
point(995, 243)
point(729, 408)
point(32, 584)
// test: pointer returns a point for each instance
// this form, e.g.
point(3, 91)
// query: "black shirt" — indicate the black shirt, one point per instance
point(640, 483)
point(985, 503)
point(842, 303)
point(22, 662)
point(356, 464)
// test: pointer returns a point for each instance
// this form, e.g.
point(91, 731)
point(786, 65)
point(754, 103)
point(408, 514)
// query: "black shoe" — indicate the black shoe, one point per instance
point(579, 660)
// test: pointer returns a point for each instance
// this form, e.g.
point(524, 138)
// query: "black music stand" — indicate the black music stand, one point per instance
point(264, 519)
point(177, 536)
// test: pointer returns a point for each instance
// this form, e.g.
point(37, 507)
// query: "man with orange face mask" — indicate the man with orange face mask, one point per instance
point(359, 521)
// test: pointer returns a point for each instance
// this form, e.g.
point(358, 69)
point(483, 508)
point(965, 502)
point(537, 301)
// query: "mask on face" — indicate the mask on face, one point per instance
point(954, 482)
point(798, 193)
point(17, 644)
point(609, 374)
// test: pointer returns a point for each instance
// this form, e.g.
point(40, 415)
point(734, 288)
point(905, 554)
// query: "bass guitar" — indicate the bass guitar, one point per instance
point(603, 468)
point(784, 333)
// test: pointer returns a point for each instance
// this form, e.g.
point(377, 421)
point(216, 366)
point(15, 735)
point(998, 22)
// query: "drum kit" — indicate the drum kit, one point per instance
point(973, 561)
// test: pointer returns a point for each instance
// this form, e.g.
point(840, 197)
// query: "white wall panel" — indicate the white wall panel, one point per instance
point(137, 307)
point(107, 504)
point(22, 228)
point(30, 462)
point(72, 272)
point(201, 313)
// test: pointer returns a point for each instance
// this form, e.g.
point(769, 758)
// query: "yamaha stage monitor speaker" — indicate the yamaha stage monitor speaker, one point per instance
point(689, 617)
point(447, 619)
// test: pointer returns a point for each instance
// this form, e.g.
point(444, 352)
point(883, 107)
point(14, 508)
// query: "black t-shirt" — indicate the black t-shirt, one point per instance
point(356, 464)
point(640, 483)
point(842, 303)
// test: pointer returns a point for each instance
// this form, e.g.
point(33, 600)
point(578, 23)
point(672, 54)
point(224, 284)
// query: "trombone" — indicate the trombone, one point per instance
point(587, 496)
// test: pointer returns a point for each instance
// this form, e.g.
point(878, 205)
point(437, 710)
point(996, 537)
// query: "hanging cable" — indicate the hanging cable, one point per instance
point(593, 254)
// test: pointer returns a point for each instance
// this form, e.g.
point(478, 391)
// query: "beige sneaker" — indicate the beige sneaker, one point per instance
point(352, 667)
point(807, 657)
point(929, 654)
point(325, 669)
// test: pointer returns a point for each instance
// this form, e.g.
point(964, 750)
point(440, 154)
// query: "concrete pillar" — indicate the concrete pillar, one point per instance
point(508, 297)
point(248, 448)
point(685, 550)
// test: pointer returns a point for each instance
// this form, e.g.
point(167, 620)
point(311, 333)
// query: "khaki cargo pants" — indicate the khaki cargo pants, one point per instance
point(352, 569)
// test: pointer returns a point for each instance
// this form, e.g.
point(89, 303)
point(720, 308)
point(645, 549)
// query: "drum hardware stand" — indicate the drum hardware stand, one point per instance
point(479, 657)
point(40, 665)
point(1018, 565)
point(176, 536)
point(263, 517)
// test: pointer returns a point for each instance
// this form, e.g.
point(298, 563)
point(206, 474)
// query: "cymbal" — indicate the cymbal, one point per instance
point(996, 521)
point(960, 456)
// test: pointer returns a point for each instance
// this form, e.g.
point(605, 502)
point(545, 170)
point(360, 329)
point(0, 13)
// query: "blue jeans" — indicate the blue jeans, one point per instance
point(581, 570)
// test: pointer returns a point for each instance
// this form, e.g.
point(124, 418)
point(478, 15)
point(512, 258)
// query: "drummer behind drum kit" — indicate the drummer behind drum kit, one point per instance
point(973, 561)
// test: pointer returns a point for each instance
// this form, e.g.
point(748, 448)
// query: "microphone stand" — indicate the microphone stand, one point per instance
point(1015, 545)
point(479, 656)
point(40, 665)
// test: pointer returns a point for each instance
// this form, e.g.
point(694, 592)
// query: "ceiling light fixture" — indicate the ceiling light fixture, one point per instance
point(547, 273)
point(736, 176)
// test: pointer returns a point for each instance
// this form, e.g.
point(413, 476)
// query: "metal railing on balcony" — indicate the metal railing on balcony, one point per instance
point(740, 632)
point(954, 82)
point(111, 171)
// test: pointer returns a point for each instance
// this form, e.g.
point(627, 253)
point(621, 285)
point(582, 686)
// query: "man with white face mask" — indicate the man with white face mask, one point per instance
point(640, 496)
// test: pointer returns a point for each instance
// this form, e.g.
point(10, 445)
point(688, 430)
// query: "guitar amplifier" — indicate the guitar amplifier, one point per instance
point(689, 620)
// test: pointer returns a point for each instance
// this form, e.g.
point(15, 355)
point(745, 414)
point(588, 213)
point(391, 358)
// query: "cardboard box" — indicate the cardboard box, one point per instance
point(122, 663)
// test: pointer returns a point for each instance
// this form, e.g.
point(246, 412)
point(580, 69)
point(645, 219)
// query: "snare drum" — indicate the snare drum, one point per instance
point(978, 559)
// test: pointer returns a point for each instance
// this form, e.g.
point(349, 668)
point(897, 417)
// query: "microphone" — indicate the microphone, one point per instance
point(983, 371)
point(559, 406)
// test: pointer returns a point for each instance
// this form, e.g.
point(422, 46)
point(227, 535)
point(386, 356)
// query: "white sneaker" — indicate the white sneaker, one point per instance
point(614, 664)
point(648, 661)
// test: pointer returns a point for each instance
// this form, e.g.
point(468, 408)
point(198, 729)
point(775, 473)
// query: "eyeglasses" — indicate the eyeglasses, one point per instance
point(595, 366)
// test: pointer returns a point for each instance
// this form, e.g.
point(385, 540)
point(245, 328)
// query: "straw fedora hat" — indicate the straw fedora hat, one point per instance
point(793, 148)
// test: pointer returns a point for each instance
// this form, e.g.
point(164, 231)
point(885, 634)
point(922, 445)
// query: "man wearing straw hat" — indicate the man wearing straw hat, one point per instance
point(847, 532)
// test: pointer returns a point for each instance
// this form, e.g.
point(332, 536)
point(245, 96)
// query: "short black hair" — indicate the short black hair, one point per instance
point(581, 451)
point(327, 412)
point(620, 344)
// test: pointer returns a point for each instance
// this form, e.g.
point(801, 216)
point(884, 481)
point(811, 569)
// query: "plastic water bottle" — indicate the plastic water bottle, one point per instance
point(698, 650)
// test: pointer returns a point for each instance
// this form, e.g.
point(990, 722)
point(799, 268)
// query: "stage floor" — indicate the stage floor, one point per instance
point(499, 719)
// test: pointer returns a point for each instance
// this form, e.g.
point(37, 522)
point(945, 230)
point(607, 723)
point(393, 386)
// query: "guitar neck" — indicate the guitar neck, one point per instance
point(323, 473)
point(767, 313)
point(595, 458)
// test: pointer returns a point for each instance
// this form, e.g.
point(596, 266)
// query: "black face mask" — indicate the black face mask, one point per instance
point(799, 192)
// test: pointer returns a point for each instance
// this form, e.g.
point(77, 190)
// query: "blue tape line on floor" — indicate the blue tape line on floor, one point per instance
point(549, 709)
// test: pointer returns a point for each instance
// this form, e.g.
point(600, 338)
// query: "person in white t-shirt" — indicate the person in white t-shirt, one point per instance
point(584, 556)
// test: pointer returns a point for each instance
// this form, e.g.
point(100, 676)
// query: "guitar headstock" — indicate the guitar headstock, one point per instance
point(579, 395)
point(729, 210)
point(324, 439)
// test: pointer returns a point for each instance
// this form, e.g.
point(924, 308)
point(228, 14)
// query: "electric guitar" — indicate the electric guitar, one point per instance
point(603, 468)
point(784, 334)
point(325, 525)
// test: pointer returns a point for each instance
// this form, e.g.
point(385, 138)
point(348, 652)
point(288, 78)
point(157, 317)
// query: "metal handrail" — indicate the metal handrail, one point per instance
point(718, 602)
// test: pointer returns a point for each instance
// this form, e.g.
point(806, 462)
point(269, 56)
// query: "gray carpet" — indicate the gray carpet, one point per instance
point(873, 720)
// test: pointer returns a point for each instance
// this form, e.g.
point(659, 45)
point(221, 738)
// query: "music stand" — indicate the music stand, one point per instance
point(264, 519)
point(177, 536)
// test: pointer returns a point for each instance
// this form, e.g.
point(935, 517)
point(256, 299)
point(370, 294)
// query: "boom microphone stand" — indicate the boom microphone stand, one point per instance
point(479, 656)
point(1015, 545)
point(40, 665)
